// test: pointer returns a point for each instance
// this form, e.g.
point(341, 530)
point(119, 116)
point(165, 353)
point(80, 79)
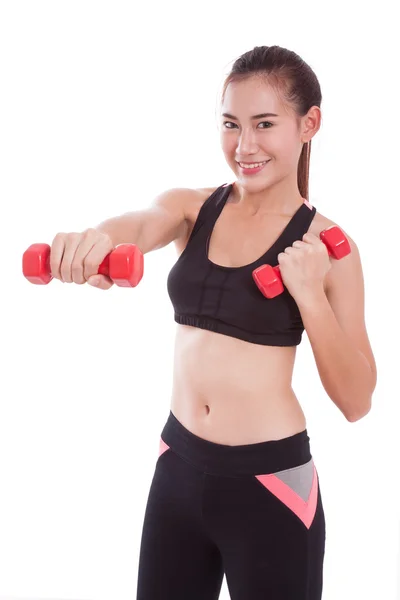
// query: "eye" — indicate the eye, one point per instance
point(262, 122)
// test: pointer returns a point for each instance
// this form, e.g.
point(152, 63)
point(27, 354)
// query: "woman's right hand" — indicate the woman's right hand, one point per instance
point(76, 257)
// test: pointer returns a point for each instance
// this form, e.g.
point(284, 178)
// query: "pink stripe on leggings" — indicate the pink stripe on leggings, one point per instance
point(304, 510)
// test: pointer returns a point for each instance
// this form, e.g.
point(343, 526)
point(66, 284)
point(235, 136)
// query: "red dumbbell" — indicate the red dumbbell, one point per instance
point(124, 265)
point(269, 279)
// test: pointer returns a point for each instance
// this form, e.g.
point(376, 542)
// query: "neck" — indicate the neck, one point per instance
point(266, 201)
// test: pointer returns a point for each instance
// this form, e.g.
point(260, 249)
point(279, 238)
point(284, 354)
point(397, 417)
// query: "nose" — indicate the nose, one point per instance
point(246, 143)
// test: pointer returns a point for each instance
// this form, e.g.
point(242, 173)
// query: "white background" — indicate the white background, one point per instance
point(90, 91)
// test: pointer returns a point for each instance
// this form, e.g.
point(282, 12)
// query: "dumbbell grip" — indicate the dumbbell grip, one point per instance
point(104, 267)
point(36, 265)
point(127, 264)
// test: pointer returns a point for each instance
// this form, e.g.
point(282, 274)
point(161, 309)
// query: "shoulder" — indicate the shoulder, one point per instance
point(321, 222)
point(204, 193)
point(194, 200)
point(344, 271)
point(348, 264)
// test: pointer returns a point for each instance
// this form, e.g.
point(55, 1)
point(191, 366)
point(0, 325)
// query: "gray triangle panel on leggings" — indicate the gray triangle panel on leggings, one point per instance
point(299, 479)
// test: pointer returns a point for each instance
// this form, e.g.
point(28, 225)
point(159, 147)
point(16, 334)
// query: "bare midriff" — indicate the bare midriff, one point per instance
point(233, 392)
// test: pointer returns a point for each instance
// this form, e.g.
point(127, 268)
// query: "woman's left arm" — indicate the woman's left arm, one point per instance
point(333, 317)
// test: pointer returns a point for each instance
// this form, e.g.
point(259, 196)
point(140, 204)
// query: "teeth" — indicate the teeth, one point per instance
point(253, 165)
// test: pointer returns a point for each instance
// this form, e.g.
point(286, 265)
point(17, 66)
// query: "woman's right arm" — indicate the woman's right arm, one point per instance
point(165, 220)
point(75, 257)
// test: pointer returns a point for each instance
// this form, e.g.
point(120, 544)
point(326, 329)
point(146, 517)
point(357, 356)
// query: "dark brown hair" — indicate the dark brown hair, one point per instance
point(291, 78)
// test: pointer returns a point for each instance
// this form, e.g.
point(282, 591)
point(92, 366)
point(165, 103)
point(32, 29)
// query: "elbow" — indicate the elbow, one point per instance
point(357, 410)
point(357, 415)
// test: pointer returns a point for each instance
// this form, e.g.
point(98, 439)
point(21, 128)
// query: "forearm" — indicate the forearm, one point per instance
point(344, 371)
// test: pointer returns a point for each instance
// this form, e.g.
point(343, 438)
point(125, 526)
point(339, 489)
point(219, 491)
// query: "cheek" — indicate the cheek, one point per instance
point(229, 150)
point(227, 142)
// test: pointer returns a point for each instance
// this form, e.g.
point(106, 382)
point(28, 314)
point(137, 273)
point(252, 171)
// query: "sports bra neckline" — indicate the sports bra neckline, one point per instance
point(263, 258)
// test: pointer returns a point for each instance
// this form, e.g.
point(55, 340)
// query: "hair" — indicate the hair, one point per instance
point(292, 79)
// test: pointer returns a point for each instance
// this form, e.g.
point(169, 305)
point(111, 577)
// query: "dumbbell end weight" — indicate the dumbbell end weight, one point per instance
point(124, 265)
point(268, 280)
point(36, 264)
point(335, 241)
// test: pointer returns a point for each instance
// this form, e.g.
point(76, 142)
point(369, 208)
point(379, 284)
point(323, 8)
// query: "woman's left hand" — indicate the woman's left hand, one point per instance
point(303, 266)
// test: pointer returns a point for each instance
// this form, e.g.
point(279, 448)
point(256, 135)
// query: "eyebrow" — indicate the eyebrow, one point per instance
point(261, 116)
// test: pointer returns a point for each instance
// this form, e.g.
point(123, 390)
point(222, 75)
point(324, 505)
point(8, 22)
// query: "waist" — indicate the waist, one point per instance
point(238, 420)
point(238, 460)
point(228, 390)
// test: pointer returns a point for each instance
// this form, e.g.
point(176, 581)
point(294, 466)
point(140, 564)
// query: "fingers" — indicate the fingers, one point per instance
point(75, 257)
point(100, 281)
point(62, 254)
point(71, 269)
point(56, 254)
point(98, 246)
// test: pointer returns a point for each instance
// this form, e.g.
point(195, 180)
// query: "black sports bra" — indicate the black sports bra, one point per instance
point(227, 300)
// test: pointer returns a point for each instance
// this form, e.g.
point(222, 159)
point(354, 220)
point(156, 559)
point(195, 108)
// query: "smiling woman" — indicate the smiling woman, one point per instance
point(294, 118)
point(236, 489)
point(236, 441)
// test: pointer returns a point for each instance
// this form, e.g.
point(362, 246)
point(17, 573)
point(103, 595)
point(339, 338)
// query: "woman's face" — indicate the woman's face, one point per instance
point(276, 138)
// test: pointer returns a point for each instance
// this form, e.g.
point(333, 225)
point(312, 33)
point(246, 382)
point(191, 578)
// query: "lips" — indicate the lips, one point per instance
point(253, 170)
point(254, 162)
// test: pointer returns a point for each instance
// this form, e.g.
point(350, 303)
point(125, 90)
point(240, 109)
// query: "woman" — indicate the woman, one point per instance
point(235, 489)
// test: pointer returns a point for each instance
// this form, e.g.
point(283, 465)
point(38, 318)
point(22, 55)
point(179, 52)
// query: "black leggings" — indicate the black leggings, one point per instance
point(252, 512)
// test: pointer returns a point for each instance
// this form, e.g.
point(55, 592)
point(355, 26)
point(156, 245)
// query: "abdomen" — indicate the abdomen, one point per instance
point(231, 391)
